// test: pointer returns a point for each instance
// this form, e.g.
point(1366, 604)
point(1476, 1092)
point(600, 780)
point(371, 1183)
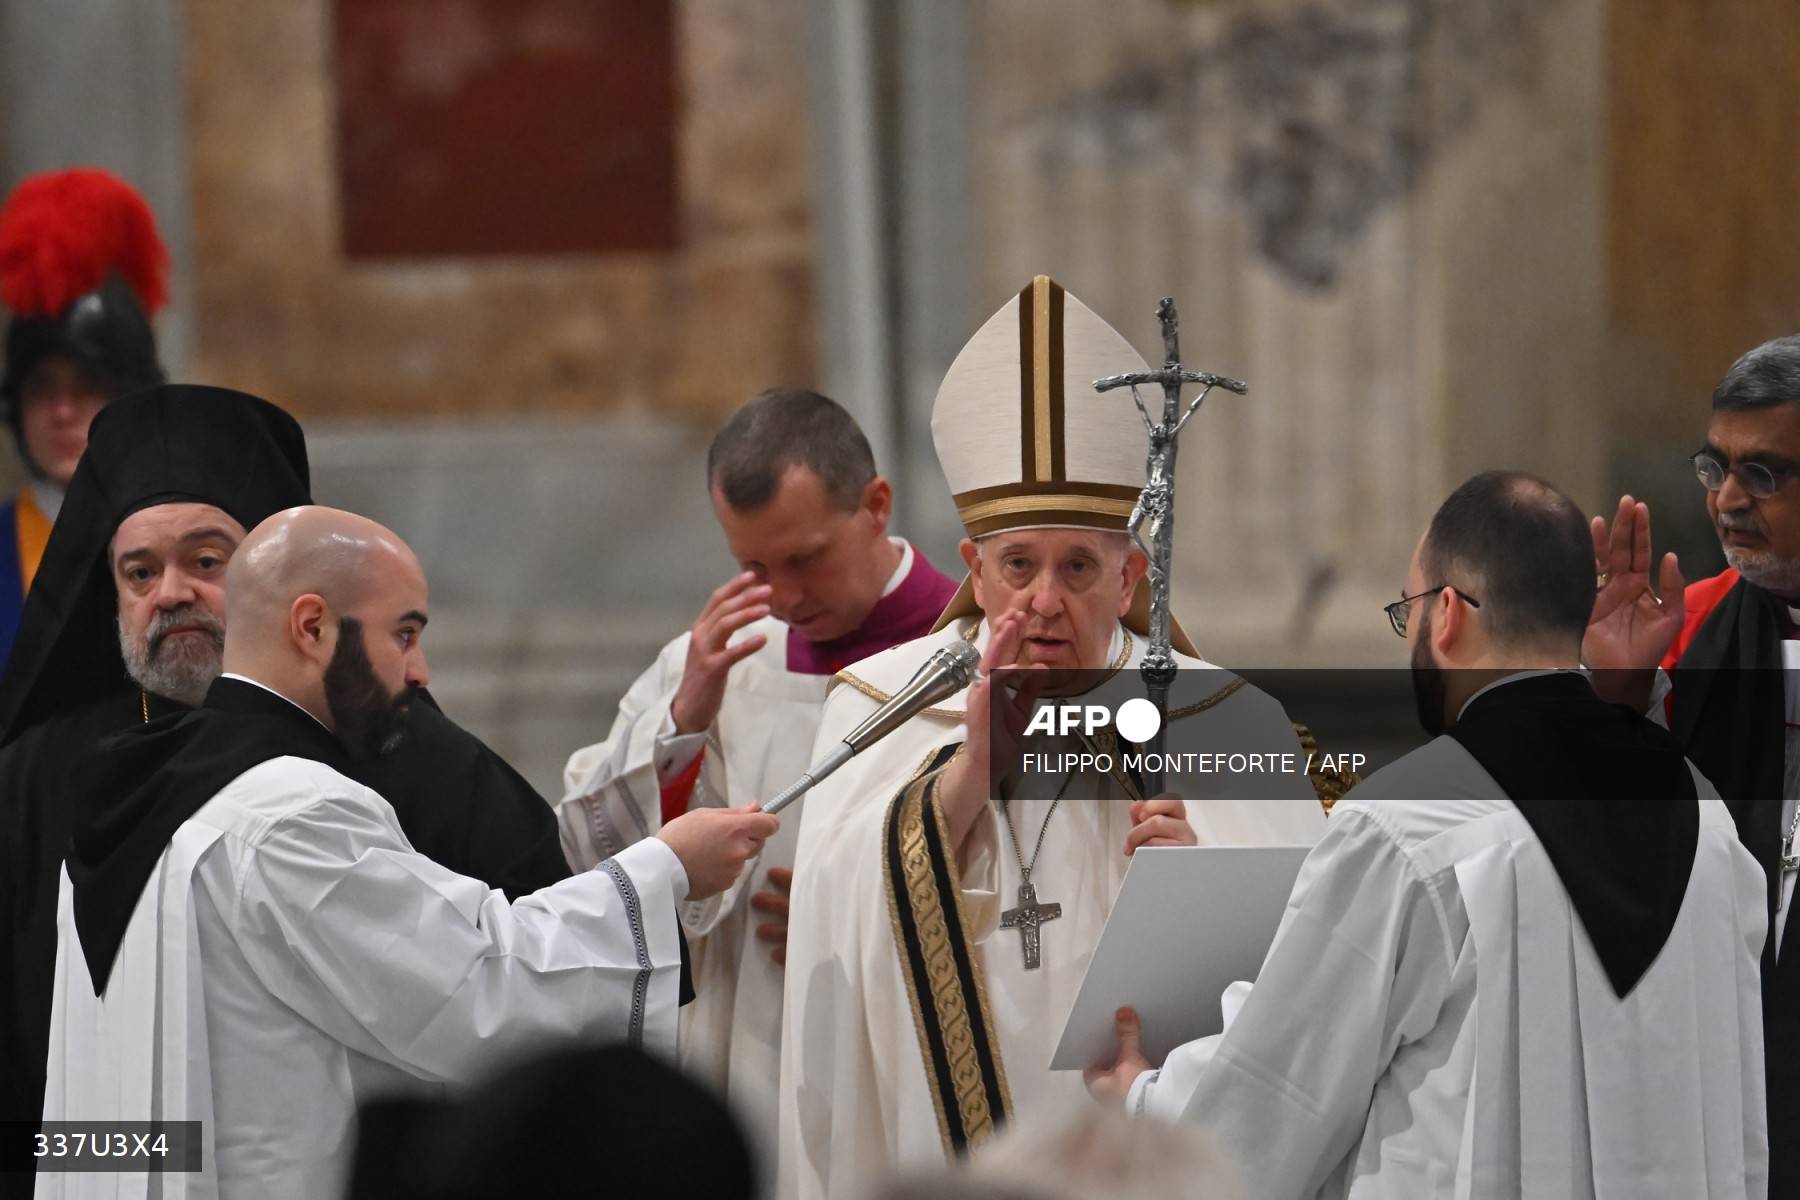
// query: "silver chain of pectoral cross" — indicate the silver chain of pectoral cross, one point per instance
point(1030, 915)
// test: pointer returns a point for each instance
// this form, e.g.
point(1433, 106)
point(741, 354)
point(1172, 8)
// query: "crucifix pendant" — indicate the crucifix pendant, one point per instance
point(1026, 918)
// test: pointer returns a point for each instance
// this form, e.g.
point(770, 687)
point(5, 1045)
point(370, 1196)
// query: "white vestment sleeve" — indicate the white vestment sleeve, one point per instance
point(1361, 965)
point(675, 752)
point(1180, 1072)
point(612, 790)
point(411, 964)
point(978, 870)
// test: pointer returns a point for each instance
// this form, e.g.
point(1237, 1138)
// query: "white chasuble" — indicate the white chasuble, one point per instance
point(1432, 1019)
point(913, 1025)
point(760, 743)
point(291, 956)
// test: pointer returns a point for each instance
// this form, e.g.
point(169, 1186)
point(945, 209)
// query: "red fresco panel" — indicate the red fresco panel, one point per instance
point(488, 127)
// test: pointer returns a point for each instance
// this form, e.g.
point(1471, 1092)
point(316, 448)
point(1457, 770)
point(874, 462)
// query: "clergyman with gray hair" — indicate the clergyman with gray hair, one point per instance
point(1716, 660)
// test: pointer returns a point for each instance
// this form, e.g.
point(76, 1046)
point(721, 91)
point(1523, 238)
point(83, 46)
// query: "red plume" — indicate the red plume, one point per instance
point(63, 232)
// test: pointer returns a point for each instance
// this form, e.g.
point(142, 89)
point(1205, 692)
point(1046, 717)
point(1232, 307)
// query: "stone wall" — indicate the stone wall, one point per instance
point(1387, 216)
point(686, 334)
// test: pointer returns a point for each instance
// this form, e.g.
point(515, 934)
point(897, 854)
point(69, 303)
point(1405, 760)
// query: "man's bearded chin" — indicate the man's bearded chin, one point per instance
point(1762, 568)
point(1430, 689)
point(176, 668)
point(370, 720)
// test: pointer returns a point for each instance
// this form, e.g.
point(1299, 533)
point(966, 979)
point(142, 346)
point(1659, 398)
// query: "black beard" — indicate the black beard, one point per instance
point(369, 719)
point(1430, 691)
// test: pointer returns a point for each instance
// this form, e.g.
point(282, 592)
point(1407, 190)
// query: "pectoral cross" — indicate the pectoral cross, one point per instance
point(1026, 918)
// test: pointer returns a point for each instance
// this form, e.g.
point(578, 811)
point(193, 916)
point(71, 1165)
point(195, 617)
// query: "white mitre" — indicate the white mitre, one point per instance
point(1027, 443)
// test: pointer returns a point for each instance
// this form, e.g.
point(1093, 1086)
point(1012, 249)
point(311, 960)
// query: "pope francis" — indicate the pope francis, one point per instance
point(941, 925)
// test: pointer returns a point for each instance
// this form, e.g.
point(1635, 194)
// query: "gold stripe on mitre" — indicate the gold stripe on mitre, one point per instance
point(1041, 416)
point(1056, 504)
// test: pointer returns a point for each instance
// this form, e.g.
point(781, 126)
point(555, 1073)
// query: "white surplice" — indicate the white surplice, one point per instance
point(856, 1100)
point(759, 743)
point(1432, 1019)
point(292, 956)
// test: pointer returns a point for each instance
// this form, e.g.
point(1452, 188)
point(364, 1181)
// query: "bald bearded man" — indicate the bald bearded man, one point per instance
point(320, 959)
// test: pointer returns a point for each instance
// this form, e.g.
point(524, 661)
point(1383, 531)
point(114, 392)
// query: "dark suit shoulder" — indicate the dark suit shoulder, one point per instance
point(465, 807)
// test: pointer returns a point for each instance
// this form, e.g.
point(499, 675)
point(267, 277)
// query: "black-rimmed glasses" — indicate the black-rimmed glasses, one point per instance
point(1759, 479)
point(1400, 610)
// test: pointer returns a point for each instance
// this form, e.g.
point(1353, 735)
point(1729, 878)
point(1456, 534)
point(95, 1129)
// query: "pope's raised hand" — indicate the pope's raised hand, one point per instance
point(1630, 628)
point(994, 720)
point(713, 845)
point(737, 602)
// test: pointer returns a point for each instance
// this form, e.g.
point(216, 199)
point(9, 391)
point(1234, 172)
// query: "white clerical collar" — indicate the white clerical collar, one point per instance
point(1514, 678)
point(901, 571)
point(265, 687)
point(48, 498)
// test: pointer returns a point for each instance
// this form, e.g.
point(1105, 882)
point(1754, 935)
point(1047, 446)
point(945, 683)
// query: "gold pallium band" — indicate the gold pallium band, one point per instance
point(880, 697)
point(1200, 706)
point(958, 1044)
point(1329, 783)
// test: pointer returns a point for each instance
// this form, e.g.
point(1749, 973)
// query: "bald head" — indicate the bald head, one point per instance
point(326, 607)
point(338, 555)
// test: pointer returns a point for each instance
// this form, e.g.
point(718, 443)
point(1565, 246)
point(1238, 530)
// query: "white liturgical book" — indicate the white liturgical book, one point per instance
point(1188, 921)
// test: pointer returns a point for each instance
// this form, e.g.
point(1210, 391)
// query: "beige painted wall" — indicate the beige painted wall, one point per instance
point(687, 334)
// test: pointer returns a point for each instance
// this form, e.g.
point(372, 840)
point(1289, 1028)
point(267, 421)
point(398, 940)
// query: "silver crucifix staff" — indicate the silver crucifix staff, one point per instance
point(1156, 503)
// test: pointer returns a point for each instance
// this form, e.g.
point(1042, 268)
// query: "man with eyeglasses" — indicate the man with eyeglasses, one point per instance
point(1522, 961)
point(1723, 646)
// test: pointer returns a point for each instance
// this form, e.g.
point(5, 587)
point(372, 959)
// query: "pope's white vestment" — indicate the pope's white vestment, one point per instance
point(731, 1032)
point(867, 956)
point(292, 956)
point(1432, 1019)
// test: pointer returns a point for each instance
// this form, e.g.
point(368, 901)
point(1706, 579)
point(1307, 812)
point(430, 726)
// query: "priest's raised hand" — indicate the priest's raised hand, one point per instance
point(738, 602)
point(1631, 627)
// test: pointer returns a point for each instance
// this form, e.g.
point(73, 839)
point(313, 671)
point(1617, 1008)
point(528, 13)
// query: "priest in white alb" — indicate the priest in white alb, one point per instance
point(941, 927)
point(247, 940)
point(1523, 961)
point(727, 712)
